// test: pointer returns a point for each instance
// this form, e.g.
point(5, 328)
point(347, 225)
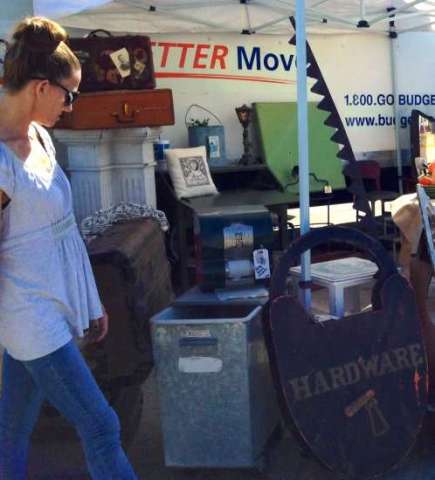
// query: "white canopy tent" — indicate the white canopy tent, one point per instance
point(254, 16)
point(266, 17)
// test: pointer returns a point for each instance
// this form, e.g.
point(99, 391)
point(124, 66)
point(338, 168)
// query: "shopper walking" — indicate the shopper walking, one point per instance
point(47, 290)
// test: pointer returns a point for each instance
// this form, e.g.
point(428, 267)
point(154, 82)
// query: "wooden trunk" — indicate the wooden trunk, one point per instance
point(133, 279)
point(120, 109)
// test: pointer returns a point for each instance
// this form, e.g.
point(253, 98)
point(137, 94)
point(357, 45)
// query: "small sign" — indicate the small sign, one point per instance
point(204, 333)
point(214, 149)
point(261, 263)
point(327, 189)
point(354, 388)
point(200, 364)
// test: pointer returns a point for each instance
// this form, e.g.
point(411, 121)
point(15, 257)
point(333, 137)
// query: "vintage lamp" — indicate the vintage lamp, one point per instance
point(244, 116)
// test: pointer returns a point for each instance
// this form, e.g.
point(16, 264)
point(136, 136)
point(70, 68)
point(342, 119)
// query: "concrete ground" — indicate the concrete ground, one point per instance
point(61, 458)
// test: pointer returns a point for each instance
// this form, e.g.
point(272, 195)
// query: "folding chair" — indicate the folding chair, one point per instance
point(370, 172)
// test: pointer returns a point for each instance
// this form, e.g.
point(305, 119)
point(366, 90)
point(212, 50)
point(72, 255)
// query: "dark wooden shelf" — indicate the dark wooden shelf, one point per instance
point(237, 168)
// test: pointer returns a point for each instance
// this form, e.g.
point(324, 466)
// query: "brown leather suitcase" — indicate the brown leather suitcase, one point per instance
point(114, 63)
point(121, 109)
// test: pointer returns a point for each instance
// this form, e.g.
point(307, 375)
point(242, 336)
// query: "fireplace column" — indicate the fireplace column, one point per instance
point(107, 167)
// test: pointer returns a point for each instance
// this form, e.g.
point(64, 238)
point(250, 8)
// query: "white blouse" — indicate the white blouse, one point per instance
point(47, 287)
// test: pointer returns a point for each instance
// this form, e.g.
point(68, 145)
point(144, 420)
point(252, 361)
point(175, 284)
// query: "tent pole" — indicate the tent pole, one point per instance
point(393, 45)
point(303, 157)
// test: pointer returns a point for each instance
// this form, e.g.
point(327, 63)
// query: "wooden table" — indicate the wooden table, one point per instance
point(238, 185)
point(275, 201)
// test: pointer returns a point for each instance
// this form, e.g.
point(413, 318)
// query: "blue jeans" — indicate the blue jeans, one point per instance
point(64, 379)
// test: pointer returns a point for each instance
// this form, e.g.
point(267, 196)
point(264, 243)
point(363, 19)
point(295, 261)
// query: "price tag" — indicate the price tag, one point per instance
point(327, 188)
point(261, 263)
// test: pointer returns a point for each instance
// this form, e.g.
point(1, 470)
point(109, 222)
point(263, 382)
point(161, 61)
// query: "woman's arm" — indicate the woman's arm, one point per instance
point(102, 326)
point(4, 200)
point(98, 328)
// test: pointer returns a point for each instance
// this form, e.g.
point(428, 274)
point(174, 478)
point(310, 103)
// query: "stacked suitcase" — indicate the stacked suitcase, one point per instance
point(118, 85)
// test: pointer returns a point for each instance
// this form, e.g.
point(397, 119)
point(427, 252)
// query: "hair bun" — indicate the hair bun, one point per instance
point(39, 34)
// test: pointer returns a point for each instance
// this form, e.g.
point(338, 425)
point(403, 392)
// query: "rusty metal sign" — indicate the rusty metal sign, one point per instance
point(355, 389)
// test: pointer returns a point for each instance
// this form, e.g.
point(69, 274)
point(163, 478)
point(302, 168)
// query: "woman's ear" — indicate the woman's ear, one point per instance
point(40, 87)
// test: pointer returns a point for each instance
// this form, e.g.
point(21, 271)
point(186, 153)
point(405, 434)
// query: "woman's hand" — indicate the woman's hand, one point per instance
point(98, 328)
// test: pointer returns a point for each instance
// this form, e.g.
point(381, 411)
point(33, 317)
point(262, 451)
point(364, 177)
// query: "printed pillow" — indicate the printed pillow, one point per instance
point(189, 172)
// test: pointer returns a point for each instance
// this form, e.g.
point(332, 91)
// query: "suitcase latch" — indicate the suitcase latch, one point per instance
point(126, 115)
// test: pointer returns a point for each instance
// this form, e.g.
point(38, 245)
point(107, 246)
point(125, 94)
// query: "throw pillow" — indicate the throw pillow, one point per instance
point(189, 172)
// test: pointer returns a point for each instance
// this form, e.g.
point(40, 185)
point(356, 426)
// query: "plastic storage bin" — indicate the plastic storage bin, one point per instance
point(218, 405)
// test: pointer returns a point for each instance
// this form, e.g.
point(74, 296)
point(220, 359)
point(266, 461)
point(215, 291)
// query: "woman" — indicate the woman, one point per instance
point(47, 291)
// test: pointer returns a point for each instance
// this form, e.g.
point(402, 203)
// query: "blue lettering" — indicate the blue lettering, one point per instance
point(416, 99)
point(404, 121)
point(275, 61)
point(287, 64)
point(242, 58)
point(254, 61)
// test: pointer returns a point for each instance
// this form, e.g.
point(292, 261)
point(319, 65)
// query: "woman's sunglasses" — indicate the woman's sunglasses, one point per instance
point(70, 96)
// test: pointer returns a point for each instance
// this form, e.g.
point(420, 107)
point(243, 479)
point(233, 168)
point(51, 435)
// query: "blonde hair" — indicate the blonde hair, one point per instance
point(38, 49)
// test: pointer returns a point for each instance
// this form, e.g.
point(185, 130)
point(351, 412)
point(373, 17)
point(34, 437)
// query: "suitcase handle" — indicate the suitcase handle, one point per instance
point(126, 115)
point(98, 30)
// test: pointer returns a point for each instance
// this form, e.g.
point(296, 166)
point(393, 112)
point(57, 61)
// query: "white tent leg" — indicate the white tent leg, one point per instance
point(362, 10)
point(393, 45)
point(303, 157)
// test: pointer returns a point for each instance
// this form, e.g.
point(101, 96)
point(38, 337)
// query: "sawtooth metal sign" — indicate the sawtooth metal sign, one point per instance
point(221, 72)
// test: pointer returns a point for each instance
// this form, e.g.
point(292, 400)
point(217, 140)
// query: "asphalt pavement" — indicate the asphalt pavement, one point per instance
point(60, 458)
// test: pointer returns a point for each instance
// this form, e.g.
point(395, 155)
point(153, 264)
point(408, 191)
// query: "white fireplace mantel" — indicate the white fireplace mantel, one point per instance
point(107, 167)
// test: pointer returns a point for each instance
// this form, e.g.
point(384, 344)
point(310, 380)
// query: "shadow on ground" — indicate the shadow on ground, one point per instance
point(57, 458)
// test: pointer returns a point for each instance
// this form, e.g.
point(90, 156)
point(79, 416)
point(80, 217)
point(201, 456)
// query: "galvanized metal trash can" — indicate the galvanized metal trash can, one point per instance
point(218, 405)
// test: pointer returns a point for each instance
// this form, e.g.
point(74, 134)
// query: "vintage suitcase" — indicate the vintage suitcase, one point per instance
point(121, 109)
point(133, 278)
point(114, 63)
